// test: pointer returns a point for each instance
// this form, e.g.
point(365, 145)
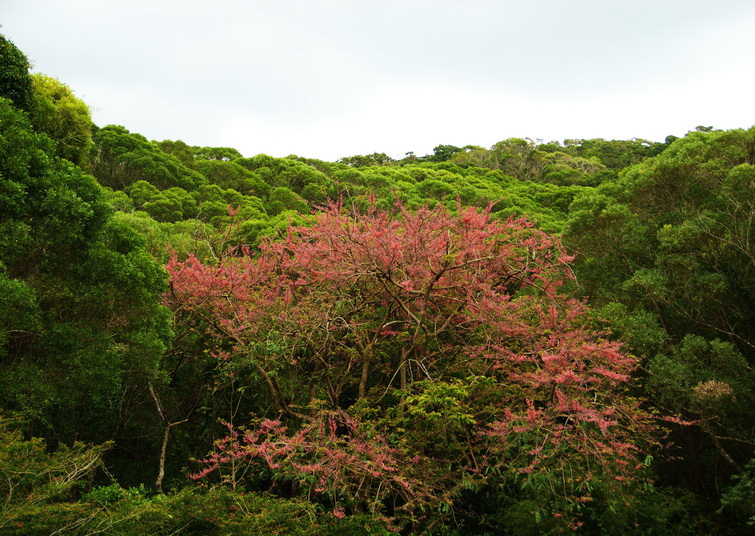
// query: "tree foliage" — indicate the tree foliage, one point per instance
point(409, 364)
point(79, 313)
point(15, 81)
point(455, 318)
point(57, 113)
point(669, 248)
point(121, 158)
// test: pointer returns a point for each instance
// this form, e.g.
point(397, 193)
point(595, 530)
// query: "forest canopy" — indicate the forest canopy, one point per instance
point(532, 338)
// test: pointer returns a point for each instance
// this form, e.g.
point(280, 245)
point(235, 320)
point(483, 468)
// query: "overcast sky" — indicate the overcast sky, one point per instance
point(333, 78)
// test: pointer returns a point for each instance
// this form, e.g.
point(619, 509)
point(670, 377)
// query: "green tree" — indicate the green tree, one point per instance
point(614, 154)
point(32, 478)
point(15, 81)
point(225, 154)
point(282, 199)
point(231, 175)
point(441, 153)
point(179, 149)
point(81, 317)
point(667, 255)
point(374, 159)
point(120, 158)
point(57, 113)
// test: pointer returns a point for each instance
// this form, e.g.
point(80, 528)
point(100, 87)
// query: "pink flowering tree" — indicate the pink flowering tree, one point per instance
point(411, 359)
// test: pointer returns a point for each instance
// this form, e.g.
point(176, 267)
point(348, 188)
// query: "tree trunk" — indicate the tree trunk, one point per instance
point(166, 435)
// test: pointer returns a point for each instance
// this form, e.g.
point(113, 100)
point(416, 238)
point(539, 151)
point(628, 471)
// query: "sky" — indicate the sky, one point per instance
point(333, 78)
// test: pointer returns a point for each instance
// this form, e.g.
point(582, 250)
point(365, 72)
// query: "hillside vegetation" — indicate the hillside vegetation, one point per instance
point(532, 338)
